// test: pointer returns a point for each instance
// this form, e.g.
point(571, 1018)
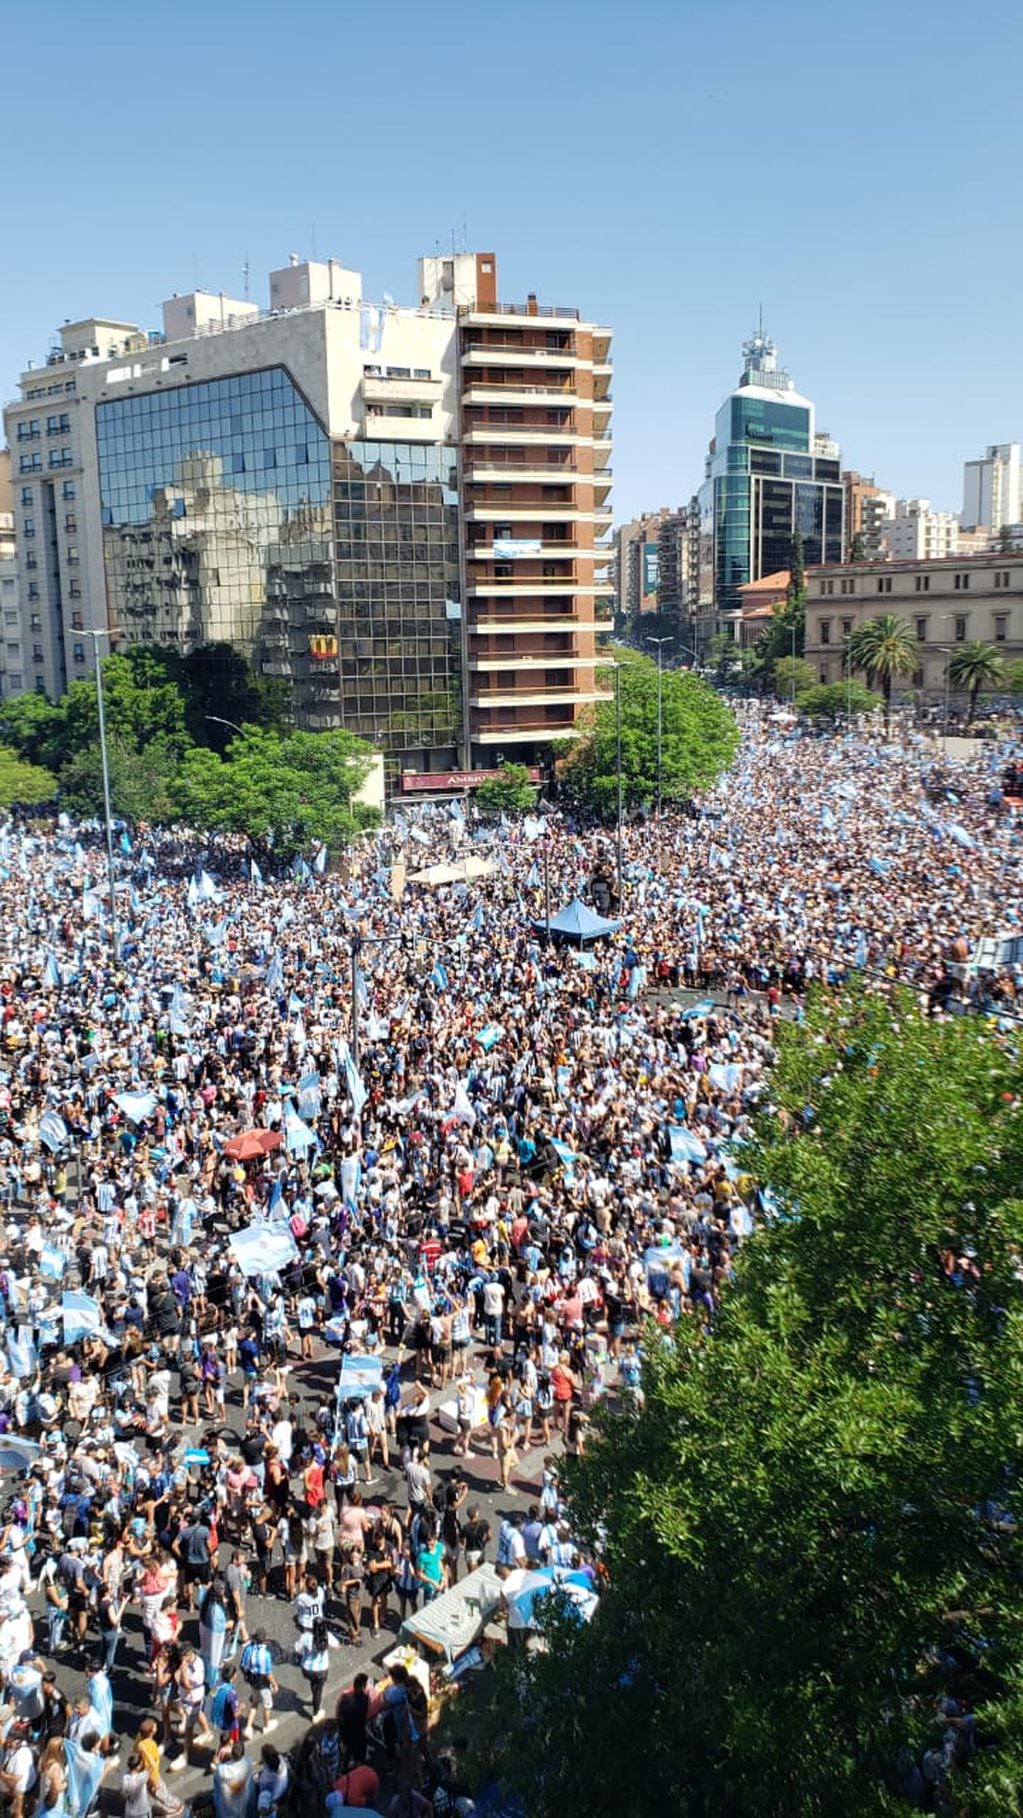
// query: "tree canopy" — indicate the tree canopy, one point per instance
point(885, 648)
point(509, 793)
point(833, 700)
point(974, 666)
point(699, 739)
point(811, 1524)
point(24, 785)
point(792, 676)
point(285, 793)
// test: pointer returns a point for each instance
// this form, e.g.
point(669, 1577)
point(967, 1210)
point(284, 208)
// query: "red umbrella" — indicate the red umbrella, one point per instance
point(252, 1143)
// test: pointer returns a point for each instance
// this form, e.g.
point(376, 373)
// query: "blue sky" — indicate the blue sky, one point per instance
point(667, 166)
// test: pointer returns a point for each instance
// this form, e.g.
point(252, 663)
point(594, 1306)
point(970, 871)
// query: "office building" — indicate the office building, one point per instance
point(913, 532)
point(10, 616)
point(678, 560)
point(767, 475)
point(944, 602)
point(991, 488)
point(399, 510)
point(637, 563)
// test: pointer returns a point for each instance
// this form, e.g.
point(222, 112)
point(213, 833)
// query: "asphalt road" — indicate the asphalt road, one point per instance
point(310, 1380)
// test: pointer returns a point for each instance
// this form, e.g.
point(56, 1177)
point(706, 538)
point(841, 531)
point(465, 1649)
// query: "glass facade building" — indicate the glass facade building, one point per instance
point(765, 479)
point(228, 513)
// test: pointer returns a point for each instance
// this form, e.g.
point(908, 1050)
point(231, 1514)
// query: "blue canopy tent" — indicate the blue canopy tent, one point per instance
point(578, 922)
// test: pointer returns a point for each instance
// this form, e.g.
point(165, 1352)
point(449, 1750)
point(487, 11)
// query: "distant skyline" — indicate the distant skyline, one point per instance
point(670, 169)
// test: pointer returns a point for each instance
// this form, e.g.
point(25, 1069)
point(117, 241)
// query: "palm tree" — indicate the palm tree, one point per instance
point(973, 667)
point(887, 650)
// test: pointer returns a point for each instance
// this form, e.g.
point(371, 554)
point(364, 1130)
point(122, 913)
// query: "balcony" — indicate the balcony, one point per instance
point(401, 391)
point(537, 697)
point(513, 627)
point(384, 428)
point(531, 311)
point(538, 512)
point(526, 590)
point(566, 435)
point(557, 659)
point(504, 473)
point(537, 551)
point(513, 393)
point(513, 353)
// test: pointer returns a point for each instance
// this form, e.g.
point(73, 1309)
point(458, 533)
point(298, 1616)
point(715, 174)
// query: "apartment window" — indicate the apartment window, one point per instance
point(71, 385)
point(847, 626)
point(31, 561)
point(421, 372)
point(961, 630)
point(70, 521)
point(824, 586)
point(60, 457)
point(16, 682)
point(825, 631)
point(14, 649)
point(32, 463)
point(884, 585)
point(58, 426)
point(72, 554)
point(67, 491)
point(503, 571)
point(28, 528)
point(502, 531)
point(920, 627)
point(11, 618)
point(962, 582)
point(75, 590)
point(78, 652)
point(1001, 627)
point(1001, 577)
point(35, 623)
point(37, 653)
point(26, 495)
point(923, 583)
point(28, 430)
point(33, 590)
point(77, 623)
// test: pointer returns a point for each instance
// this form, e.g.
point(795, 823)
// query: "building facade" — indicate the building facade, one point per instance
point(914, 533)
point(307, 484)
point(637, 563)
point(867, 505)
point(768, 475)
point(678, 560)
point(943, 602)
point(992, 488)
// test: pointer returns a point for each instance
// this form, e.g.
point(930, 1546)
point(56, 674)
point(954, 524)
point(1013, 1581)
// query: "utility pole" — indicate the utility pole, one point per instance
point(660, 642)
point(547, 886)
point(115, 939)
point(618, 767)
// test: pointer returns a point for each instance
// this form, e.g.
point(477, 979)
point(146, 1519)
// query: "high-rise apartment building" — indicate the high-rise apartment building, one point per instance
point(678, 560)
point(992, 488)
point(768, 474)
point(401, 511)
point(914, 532)
point(637, 563)
point(866, 507)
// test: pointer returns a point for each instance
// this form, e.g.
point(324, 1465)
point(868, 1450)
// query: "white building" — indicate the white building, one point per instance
point(914, 532)
point(403, 512)
point(991, 488)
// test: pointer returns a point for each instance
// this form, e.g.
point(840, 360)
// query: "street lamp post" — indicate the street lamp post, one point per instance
point(792, 628)
point(660, 642)
point(115, 939)
point(618, 772)
point(218, 720)
point(946, 619)
point(547, 887)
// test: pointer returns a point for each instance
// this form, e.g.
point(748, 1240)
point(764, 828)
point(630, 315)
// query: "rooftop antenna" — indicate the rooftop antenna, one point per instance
point(465, 235)
point(314, 242)
point(452, 242)
point(245, 277)
point(760, 318)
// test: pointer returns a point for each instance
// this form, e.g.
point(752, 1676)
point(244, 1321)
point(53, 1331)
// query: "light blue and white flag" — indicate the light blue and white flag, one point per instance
point(125, 842)
point(136, 1106)
point(309, 1096)
point(725, 1077)
point(52, 973)
point(439, 977)
point(462, 1109)
point(80, 1314)
point(490, 1036)
point(320, 861)
point(21, 1352)
point(297, 1135)
point(684, 1145)
point(351, 1181)
point(53, 1130)
point(356, 1090)
point(255, 875)
point(263, 1249)
point(275, 973)
point(52, 1262)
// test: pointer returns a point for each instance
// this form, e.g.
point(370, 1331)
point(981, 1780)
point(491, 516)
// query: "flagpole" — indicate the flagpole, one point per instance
point(355, 947)
point(115, 939)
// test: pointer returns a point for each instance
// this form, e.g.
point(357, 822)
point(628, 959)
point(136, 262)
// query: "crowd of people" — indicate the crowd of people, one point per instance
point(313, 1114)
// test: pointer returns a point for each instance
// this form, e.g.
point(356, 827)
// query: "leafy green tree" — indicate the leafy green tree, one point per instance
point(1007, 544)
point(887, 650)
point(699, 739)
point(792, 676)
point(25, 784)
point(724, 658)
point(796, 592)
point(974, 666)
point(283, 792)
point(141, 781)
point(806, 1524)
point(858, 548)
point(29, 723)
point(1014, 676)
point(137, 713)
point(833, 700)
point(509, 793)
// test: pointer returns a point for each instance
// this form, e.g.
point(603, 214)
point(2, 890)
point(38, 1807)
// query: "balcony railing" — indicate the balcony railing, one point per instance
point(544, 310)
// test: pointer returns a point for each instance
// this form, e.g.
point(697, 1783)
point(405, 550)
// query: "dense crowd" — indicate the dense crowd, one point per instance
point(485, 1158)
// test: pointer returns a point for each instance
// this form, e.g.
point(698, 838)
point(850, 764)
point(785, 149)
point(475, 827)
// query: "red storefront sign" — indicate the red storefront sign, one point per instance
point(455, 779)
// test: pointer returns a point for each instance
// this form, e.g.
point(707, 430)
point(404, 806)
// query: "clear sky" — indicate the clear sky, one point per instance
point(666, 165)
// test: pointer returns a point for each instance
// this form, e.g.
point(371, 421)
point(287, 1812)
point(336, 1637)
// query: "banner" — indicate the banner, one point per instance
point(263, 1249)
